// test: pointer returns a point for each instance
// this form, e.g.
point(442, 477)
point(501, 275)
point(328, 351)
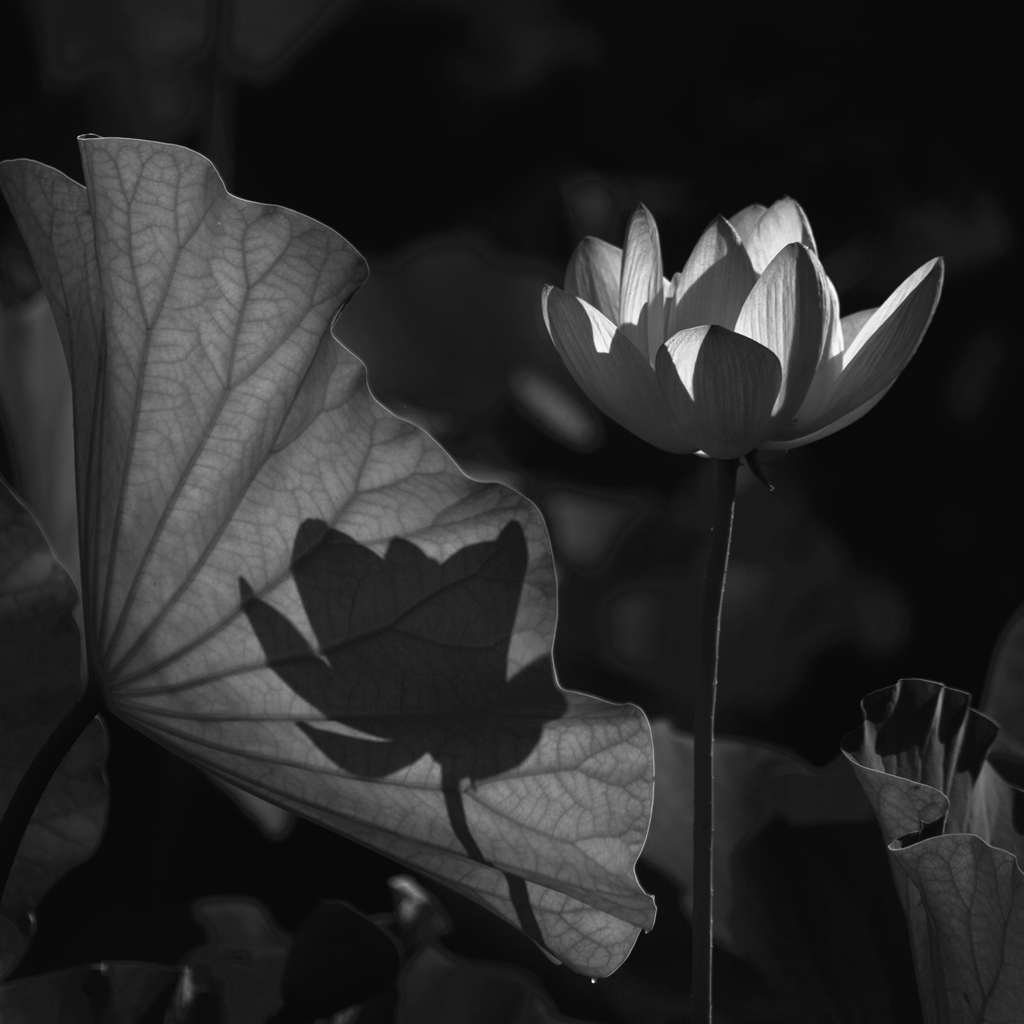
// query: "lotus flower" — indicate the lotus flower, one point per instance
point(744, 348)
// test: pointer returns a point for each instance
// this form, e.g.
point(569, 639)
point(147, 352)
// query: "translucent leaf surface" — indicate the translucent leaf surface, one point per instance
point(40, 677)
point(955, 830)
point(299, 591)
point(35, 417)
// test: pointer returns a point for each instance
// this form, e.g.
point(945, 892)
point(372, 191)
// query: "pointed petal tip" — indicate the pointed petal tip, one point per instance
point(715, 280)
point(782, 223)
point(750, 211)
point(641, 218)
point(883, 342)
point(544, 296)
point(726, 226)
point(798, 253)
point(594, 273)
point(589, 244)
point(641, 275)
point(936, 263)
point(794, 246)
point(788, 312)
point(787, 201)
point(935, 268)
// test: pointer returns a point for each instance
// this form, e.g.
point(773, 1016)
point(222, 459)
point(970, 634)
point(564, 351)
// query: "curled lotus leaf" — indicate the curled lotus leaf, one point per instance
point(955, 832)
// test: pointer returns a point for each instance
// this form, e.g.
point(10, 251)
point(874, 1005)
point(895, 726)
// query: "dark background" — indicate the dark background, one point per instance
point(465, 147)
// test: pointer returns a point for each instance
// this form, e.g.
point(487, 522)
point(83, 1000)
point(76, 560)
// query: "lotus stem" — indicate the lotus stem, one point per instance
point(33, 783)
point(723, 487)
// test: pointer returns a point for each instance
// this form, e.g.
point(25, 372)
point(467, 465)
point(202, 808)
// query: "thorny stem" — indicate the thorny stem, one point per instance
point(723, 486)
point(35, 780)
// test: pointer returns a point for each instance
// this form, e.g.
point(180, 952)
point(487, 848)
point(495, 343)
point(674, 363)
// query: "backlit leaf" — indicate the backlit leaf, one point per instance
point(35, 417)
point(955, 831)
point(300, 592)
point(40, 677)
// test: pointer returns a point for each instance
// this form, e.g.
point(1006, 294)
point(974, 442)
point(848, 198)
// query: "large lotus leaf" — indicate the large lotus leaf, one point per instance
point(297, 590)
point(955, 829)
point(40, 678)
point(35, 416)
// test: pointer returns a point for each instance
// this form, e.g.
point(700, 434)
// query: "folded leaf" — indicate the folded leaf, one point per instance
point(955, 830)
point(40, 677)
point(300, 592)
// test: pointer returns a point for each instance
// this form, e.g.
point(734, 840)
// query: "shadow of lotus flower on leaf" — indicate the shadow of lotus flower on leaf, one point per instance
point(413, 653)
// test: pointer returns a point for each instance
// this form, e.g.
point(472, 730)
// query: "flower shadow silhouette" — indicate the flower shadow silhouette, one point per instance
point(413, 654)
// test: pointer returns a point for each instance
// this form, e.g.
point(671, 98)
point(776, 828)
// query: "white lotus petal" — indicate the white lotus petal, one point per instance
point(900, 321)
point(831, 427)
point(819, 393)
point(642, 276)
point(873, 357)
point(789, 311)
point(720, 388)
point(852, 324)
point(744, 221)
point(783, 223)
point(715, 281)
point(612, 371)
point(594, 273)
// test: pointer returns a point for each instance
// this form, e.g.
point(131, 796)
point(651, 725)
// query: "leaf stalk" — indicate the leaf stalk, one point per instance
point(37, 777)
